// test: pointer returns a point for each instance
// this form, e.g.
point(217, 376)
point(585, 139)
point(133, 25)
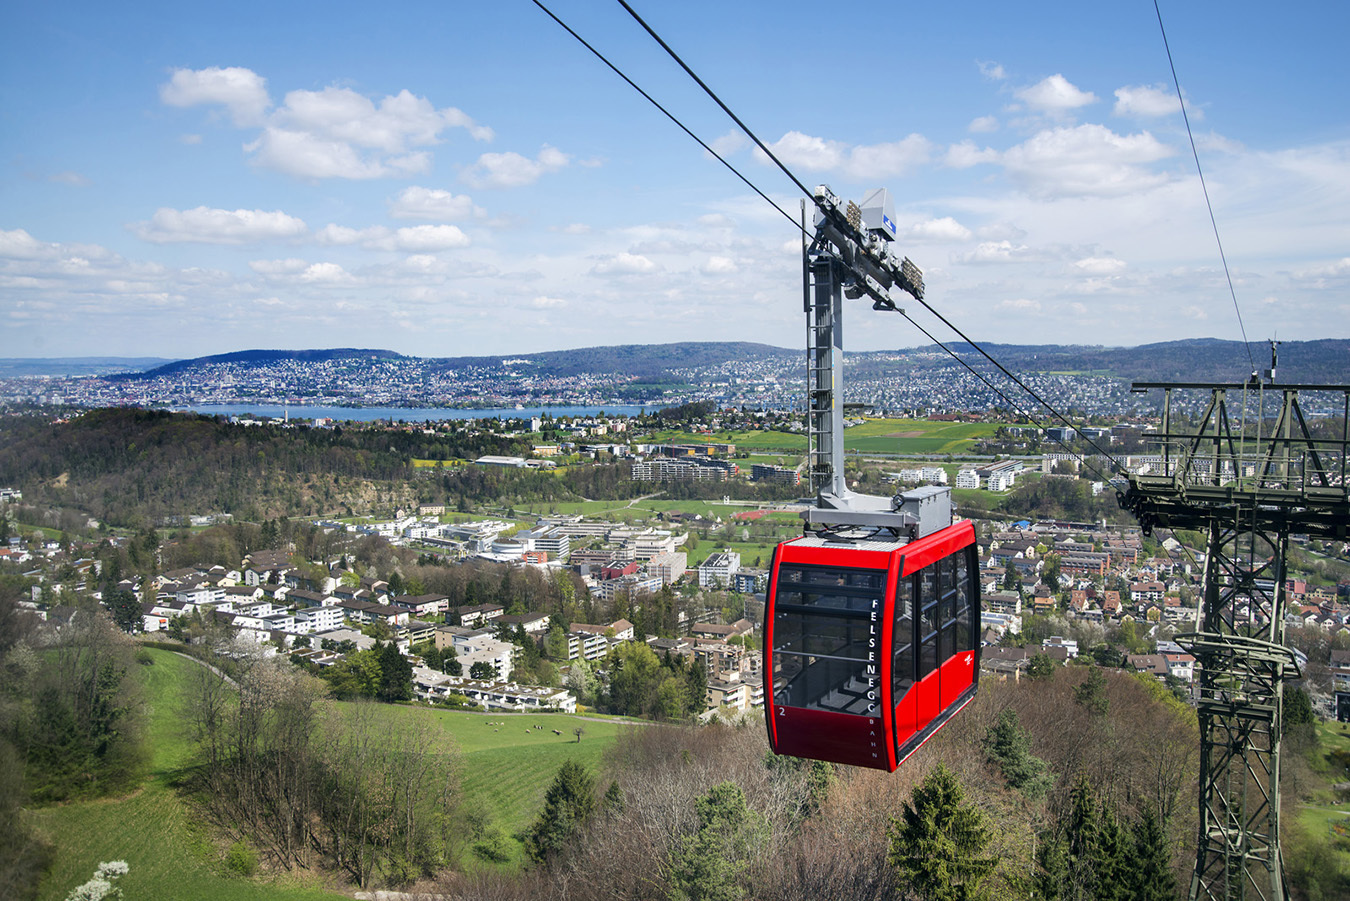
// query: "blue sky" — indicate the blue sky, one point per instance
point(460, 178)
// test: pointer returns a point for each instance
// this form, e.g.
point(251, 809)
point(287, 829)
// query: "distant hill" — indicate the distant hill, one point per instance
point(641, 360)
point(67, 367)
point(1195, 359)
point(268, 356)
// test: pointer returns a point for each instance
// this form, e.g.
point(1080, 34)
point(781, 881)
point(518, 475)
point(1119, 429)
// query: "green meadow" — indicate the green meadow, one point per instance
point(505, 770)
point(875, 436)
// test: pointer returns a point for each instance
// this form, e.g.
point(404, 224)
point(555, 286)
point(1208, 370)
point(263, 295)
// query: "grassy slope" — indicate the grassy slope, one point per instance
point(1326, 806)
point(506, 770)
point(152, 829)
point(508, 767)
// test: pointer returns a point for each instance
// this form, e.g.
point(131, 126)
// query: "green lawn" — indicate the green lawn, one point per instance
point(508, 767)
point(505, 768)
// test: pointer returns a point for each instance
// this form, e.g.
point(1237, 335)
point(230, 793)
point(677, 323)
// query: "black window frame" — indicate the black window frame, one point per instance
point(819, 612)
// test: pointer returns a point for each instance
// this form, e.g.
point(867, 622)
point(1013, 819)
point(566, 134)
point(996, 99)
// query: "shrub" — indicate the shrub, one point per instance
point(241, 859)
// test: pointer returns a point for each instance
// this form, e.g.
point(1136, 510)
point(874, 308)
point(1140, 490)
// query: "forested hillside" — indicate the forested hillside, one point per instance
point(135, 467)
point(138, 468)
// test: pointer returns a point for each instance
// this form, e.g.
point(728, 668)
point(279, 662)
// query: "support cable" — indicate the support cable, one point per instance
point(1084, 458)
point(763, 147)
point(1205, 189)
point(669, 115)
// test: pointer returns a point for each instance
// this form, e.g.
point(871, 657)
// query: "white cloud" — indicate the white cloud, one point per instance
point(190, 139)
point(340, 235)
point(423, 239)
point(967, 154)
point(290, 266)
point(309, 155)
point(18, 244)
point(719, 265)
point(241, 91)
point(511, 170)
point(991, 70)
point(203, 225)
point(1086, 161)
point(1020, 305)
point(623, 264)
point(331, 133)
point(1149, 101)
point(576, 228)
point(542, 303)
point(1100, 266)
point(1212, 141)
point(433, 203)
point(944, 229)
point(983, 125)
point(730, 142)
point(993, 252)
point(396, 123)
point(1055, 96)
point(326, 273)
point(861, 161)
point(1335, 274)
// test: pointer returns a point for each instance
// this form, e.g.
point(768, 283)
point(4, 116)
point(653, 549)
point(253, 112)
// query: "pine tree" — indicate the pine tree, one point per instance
point(1113, 862)
point(1084, 842)
point(1009, 746)
point(568, 803)
point(936, 841)
point(1151, 866)
point(709, 865)
point(1041, 668)
point(1052, 862)
point(1091, 692)
point(395, 674)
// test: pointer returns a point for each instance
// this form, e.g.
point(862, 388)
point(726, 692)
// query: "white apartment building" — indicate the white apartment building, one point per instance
point(717, 570)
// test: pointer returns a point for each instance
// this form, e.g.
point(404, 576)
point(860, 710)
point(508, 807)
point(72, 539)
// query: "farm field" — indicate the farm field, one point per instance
point(505, 771)
point(876, 436)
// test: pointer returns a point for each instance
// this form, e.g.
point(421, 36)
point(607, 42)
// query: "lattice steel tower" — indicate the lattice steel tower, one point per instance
point(1248, 484)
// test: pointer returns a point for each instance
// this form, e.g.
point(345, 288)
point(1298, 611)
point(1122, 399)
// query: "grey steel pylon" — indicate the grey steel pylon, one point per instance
point(1248, 488)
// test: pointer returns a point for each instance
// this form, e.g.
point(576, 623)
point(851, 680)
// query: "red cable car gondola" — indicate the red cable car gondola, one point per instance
point(870, 645)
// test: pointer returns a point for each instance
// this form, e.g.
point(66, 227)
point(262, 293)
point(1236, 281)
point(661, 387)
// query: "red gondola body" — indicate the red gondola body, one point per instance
point(870, 645)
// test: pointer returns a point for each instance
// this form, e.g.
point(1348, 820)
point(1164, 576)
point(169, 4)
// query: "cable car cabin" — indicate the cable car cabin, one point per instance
point(870, 646)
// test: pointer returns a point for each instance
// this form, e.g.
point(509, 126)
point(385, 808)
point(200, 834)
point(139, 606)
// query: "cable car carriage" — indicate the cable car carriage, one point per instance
point(871, 639)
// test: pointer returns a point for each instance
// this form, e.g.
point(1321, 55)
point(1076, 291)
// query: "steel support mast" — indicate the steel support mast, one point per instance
point(850, 257)
point(1248, 483)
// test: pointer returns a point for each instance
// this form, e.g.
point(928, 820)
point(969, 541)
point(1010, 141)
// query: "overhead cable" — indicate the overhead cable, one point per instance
point(810, 195)
point(762, 146)
point(1203, 187)
point(668, 114)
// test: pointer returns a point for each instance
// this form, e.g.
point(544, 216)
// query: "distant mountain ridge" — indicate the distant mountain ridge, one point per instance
point(1325, 361)
point(69, 367)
